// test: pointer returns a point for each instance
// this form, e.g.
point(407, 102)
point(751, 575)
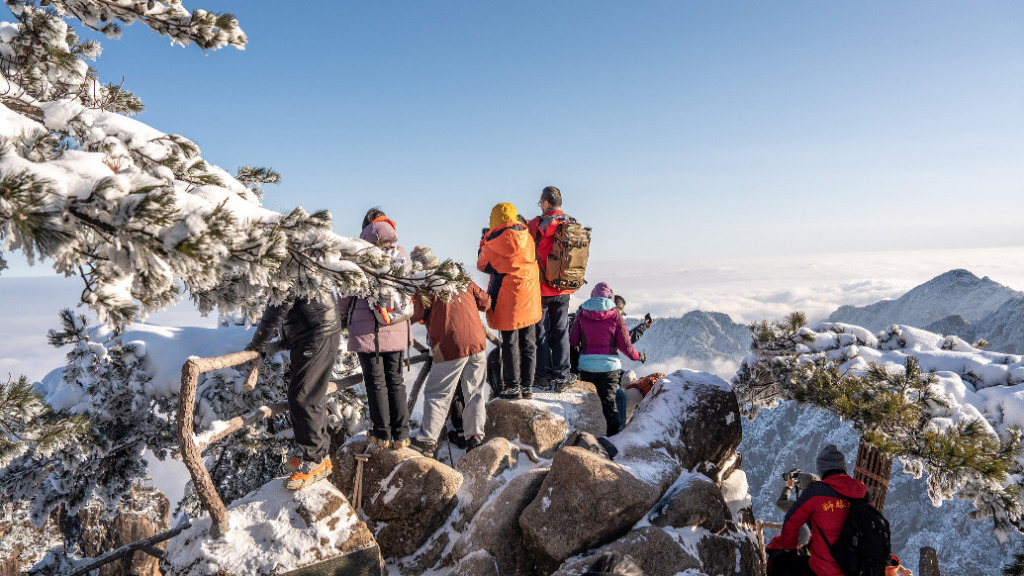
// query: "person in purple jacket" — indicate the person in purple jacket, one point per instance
point(380, 348)
point(601, 332)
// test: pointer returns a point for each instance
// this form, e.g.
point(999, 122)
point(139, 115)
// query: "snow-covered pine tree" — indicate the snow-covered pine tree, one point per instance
point(141, 218)
point(138, 214)
point(896, 411)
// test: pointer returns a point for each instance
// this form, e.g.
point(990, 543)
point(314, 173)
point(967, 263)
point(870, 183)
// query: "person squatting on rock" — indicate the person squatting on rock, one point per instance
point(824, 512)
point(553, 330)
point(380, 347)
point(313, 333)
point(601, 331)
point(457, 344)
point(508, 254)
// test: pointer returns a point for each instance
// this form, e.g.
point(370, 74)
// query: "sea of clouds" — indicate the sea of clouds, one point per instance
point(748, 290)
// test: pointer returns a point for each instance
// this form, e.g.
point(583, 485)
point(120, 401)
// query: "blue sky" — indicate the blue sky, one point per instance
point(674, 129)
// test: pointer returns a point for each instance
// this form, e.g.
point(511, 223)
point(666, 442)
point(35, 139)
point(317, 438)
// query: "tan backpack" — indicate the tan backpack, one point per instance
point(567, 263)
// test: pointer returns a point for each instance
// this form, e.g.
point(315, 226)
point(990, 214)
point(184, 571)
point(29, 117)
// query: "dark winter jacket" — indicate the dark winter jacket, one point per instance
point(826, 514)
point(507, 254)
point(637, 332)
point(601, 332)
point(364, 332)
point(454, 327)
point(542, 230)
point(301, 322)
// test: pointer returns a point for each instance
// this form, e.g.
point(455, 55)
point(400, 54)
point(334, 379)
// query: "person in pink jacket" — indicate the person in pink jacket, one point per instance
point(380, 349)
point(601, 332)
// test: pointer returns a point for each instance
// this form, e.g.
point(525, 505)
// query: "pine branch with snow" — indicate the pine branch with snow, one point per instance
point(139, 214)
point(28, 424)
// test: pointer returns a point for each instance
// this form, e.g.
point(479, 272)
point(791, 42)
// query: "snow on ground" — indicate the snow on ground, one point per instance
point(267, 536)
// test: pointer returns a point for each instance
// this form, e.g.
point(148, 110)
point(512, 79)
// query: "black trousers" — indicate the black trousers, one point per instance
point(788, 563)
point(311, 363)
point(553, 359)
point(385, 394)
point(519, 356)
point(606, 383)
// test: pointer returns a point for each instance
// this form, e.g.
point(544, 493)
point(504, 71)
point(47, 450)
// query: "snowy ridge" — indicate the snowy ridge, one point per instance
point(957, 292)
point(703, 341)
point(1003, 329)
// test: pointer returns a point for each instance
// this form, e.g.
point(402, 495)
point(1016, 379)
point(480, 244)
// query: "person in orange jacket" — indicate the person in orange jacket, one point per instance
point(508, 254)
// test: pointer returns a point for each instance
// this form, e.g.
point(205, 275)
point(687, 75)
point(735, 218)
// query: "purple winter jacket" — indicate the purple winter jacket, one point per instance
point(602, 331)
point(361, 322)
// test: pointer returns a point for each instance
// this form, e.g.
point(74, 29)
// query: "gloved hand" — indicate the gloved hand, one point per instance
point(643, 357)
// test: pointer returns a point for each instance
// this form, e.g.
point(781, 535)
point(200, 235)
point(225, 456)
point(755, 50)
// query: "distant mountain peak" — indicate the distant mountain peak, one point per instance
point(957, 292)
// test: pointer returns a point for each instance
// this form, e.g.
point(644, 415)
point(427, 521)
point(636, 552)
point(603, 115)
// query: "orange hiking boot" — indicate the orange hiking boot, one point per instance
point(309, 473)
point(293, 464)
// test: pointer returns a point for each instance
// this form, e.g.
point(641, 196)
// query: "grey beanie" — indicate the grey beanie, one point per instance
point(425, 257)
point(830, 458)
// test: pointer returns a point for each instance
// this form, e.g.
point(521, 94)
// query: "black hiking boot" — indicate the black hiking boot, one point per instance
point(473, 442)
point(425, 447)
point(510, 393)
point(526, 393)
point(456, 437)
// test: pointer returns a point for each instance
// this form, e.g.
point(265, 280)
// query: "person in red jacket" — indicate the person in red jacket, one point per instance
point(457, 342)
point(824, 511)
point(553, 330)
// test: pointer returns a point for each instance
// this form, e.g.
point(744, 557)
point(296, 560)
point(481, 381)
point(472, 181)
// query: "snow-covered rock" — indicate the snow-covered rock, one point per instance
point(275, 530)
point(405, 496)
point(526, 422)
point(584, 502)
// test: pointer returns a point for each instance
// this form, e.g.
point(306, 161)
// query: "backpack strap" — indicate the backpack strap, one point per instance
point(835, 494)
point(542, 228)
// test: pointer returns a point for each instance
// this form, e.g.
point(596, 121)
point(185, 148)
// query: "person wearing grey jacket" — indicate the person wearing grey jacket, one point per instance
point(798, 485)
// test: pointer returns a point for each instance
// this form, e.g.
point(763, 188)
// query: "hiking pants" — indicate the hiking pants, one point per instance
point(606, 383)
point(312, 360)
point(789, 563)
point(469, 373)
point(518, 357)
point(385, 394)
point(553, 338)
point(456, 410)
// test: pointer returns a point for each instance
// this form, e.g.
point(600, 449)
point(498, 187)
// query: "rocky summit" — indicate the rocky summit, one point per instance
point(522, 504)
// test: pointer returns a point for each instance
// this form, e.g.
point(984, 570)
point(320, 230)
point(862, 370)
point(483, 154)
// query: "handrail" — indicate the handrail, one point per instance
point(192, 448)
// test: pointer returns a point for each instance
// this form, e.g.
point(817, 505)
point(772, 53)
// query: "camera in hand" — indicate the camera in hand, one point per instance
point(792, 474)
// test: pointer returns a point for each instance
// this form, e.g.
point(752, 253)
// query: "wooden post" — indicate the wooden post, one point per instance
point(874, 470)
point(929, 565)
point(190, 453)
